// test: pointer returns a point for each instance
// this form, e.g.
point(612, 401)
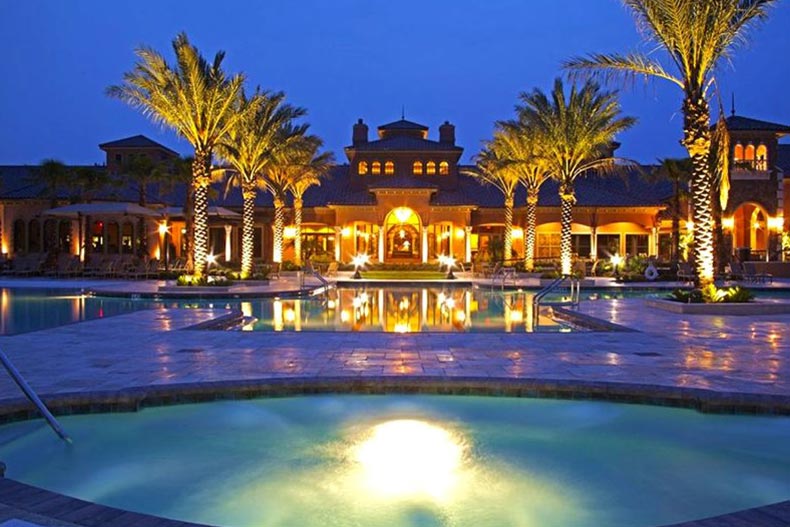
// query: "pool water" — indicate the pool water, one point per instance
point(349, 460)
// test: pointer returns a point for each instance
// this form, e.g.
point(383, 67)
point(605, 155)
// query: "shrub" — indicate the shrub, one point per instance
point(188, 280)
point(712, 295)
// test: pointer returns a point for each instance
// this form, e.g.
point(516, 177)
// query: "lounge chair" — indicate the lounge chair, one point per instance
point(734, 271)
point(751, 274)
point(331, 270)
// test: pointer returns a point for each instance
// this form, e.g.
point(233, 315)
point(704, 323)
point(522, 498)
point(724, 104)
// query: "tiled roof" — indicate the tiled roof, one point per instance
point(631, 190)
point(403, 124)
point(405, 144)
point(783, 159)
point(135, 141)
point(736, 123)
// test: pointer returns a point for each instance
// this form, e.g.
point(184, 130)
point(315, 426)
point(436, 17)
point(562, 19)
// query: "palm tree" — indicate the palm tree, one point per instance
point(142, 170)
point(249, 147)
point(310, 168)
point(195, 98)
point(288, 164)
point(521, 152)
point(697, 36)
point(52, 175)
point(494, 167)
point(573, 135)
point(678, 171)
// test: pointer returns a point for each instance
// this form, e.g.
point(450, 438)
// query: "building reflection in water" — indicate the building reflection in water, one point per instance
point(405, 310)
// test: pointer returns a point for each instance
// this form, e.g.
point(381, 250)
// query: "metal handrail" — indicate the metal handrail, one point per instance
point(575, 286)
point(33, 397)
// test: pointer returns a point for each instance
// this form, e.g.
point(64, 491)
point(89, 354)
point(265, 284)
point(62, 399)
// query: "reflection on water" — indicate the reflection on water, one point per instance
point(399, 310)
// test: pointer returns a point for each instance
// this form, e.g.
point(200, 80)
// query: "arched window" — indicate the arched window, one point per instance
point(34, 236)
point(738, 153)
point(430, 168)
point(389, 168)
point(444, 168)
point(362, 168)
point(50, 233)
point(761, 160)
point(416, 168)
point(375, 168)
point(749, 153)
point(20, 238)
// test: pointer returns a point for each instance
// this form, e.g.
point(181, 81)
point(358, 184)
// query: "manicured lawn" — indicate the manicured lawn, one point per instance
point(403, 275)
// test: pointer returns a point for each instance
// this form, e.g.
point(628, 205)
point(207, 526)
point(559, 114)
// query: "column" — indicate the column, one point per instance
point(654, 240)
point(424, 244)
point(338, 242)
point(382, 235)
point(467, 244)
point(228, 238)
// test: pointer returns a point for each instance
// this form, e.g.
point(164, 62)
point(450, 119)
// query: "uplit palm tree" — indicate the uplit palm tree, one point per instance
point(494, 167)
point(696, 36)
point(195, 98)
point(678, 171)
point(573, 135)
point(288, 165)
point(309, 170)
point(520, 150)
point(249, 147)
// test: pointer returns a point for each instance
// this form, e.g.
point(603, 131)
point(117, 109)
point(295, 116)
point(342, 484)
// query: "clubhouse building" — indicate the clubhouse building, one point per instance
point(404, 197)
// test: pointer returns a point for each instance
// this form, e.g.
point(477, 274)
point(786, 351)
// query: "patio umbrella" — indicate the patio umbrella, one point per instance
point(214, 212)
point(78, 211)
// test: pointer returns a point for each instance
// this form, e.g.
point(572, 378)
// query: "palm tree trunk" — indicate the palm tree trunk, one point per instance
point(567, 199)
point(247, 229)
point(531, 226)
point(200, 183)
point(298, 230)
point(189, 230)
point(279, 225)
point(697, 142)
point(508, 228)
point(675, 248)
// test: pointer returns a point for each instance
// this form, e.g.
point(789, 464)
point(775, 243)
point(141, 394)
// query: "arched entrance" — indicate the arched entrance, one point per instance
point(750, 230)
point(403, 236)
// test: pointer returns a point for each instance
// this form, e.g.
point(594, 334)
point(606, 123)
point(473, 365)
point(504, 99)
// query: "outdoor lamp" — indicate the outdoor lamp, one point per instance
point(449, 261)
point(359, 261)
point(616, 261)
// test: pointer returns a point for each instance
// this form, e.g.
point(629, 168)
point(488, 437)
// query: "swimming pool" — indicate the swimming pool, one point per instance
point(422, 460)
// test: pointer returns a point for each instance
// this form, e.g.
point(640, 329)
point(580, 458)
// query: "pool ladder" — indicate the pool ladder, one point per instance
point(33, 397)
point(325, 284)
point(575, 285)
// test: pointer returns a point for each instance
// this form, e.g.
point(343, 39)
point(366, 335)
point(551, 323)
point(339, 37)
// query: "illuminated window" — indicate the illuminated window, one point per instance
point(761, 161)
point(444, 168)
point(416, 168)
point(749, 153)
point(389, 168)
point(430, 167)
point(738, 152)
point(375, 168)
point(363, 167)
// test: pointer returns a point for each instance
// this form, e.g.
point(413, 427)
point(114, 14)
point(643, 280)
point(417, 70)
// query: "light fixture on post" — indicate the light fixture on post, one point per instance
point(359, 261)
point(449, 261)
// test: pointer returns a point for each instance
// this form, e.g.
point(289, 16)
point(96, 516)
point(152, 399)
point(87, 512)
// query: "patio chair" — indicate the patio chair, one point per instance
point(685, 272)
point(69, 266)
point(734, 271)
point(93, 266)
point(751, 274)
point(331, 270)
point(274, 270)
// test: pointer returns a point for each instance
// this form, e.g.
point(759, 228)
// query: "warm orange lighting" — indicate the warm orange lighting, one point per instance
point(346, 232)
point(689, 225)
point(163, 228)
point(403, 214)
point(289, 232)
point(776, 223)
point(459, 233)
point(728, 223)
point(517, 233)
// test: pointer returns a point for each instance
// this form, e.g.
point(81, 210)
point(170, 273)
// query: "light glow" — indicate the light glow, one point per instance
point(163, 228)
point(410, 459)
point(517, 233)
point(728, 223)
point(402, 214)
point(776, 223)
point(360, 260)
point(689, 225)
point(289, 232)
point(616, 260)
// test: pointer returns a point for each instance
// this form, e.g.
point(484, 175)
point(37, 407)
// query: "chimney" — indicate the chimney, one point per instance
point(360, 135)
point(447, 134)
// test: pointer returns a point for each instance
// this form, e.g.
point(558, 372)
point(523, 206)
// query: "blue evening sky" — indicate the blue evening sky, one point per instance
point(458, 60)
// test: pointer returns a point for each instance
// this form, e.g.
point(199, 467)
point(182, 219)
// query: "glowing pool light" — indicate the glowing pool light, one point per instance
point(410, 459)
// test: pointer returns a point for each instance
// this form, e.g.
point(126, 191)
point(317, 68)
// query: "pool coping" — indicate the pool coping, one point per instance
point(55, 506)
